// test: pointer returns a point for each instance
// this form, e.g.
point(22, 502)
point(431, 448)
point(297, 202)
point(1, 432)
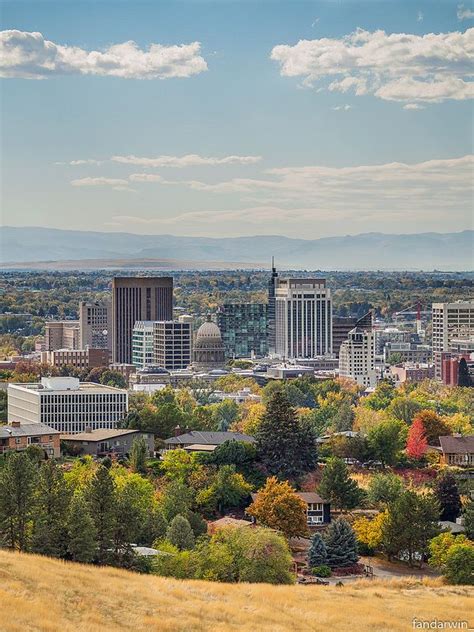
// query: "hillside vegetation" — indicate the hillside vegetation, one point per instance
point(42, 594)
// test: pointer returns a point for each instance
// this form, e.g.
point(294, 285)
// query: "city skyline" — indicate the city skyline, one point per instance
point(205, 119)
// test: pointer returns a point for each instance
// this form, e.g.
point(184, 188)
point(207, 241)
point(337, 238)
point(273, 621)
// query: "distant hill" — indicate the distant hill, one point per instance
point(40, 593)
point(421, 251)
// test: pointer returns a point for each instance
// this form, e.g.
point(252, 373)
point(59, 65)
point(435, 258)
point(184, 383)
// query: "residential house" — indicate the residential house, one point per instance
point(108, 441)
point(458, 450)
point(204, 441)
point(18, 436)
point(318, 511)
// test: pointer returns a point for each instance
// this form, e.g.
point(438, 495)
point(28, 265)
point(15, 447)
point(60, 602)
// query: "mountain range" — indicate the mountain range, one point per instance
point(368, 251)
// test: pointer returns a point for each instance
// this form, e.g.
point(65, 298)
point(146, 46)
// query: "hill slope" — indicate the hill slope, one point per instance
point(449, 251)
point(37, 593)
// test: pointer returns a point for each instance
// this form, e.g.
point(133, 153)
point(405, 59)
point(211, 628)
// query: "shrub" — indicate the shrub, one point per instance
point(460, 565)
point(321, 571)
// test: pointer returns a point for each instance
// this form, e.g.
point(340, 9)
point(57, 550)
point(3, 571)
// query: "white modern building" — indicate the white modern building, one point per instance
point(142, 344)
point(357, 357)
point(450, 321)
point(303, 324)
point(67, 405)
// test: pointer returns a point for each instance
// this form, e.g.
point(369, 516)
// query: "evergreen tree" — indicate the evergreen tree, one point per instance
point(317, 554)
point(411, 523)
point(344, 418)
point(52, 501)
point(127, 525)
point(153, 528)
point(17, 485)
point(82, 534)
point(447, 494)
point(469, 519)
point(464, 377)
point(138, 455)
point(286, 447)
point(341, 544)
point(101, 497)
point(337, 487)
point(180, 534)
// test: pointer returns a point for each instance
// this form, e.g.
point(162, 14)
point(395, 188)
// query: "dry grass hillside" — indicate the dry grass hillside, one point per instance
point(42, 594)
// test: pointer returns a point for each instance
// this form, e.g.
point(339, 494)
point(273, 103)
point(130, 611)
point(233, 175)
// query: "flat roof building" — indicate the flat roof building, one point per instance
point(67, 405)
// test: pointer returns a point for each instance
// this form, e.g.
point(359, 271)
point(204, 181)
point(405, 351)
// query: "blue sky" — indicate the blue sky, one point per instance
point(309, 155)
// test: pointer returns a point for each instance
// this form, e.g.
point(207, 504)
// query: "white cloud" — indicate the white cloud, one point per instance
point(464, 13)
point(98, 182)
point(190, 160)
point(342, 107)
point(29, 56)
point(413, 106)
point(75, 163)
point(396, 67)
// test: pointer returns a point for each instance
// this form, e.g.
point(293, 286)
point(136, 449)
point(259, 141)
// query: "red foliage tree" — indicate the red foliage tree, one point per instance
point(416, 441)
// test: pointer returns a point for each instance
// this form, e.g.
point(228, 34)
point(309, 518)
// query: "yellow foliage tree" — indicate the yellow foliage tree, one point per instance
point(369, 532)
point(459, 423)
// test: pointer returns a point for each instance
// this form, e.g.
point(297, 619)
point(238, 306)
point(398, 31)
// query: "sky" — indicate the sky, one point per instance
point(221, 119)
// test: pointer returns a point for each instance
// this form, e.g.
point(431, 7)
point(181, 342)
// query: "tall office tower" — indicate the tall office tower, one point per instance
point(450, 321)
point(341, 326)
point(303, 318)
point(244, 329)
point(172, 344)
point(357, 357)
point(271, 313)
point(143, 348)
point(95, 325)
point(61, 334)
point(133, 299)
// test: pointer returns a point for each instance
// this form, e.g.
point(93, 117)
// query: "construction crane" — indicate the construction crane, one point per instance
point(413, 310)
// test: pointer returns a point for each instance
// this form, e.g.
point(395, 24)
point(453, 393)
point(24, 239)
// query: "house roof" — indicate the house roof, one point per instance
point(200, 447)
point(208, 438)
point(308, 497)
point(228, 521)
point(101, 434)
point(26, 430)
point(457, 445)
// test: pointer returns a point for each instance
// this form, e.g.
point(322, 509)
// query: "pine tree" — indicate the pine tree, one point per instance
point(286, 447)
point(138, 455)
point(180, 533)
point(337, 487)
point(416, 441)
point(17, 484)
point(317, 555)
point(447, 494)
point(101, 497)
point(469, 519)
point(341, 544)
point(82, 534)
point(52, 500)
point(464, 377)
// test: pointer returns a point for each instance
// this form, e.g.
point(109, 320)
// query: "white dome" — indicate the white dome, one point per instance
point(208, 331)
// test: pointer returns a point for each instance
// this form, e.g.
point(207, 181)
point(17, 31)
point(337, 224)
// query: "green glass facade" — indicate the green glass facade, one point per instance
point(244, 329)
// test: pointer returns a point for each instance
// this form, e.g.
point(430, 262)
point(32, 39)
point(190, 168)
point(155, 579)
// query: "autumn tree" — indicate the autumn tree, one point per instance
point(278, 506)
point(416, 440)
point(434, 426)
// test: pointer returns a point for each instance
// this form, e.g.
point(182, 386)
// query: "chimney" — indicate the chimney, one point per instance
point(15, 424)
point(177, 431)
point(88, 429)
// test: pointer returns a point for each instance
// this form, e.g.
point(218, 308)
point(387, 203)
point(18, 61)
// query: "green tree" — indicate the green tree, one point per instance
point(286, 446)
point(447, 494)
point(387, 439)
point(382, 397)
point(180, 534)
point(384, 488)
point(225, 413)
point(177, 499)
point(341, 544)
point(337, 487)
point(317, 554)
point(138, 455)
point(17, 485)
point(82, 534)
point(460, 564)
point(179, 465)
point(101, 497)
point(52, 497)
point(469, 519)
point(228, 489)
point(411, 523)
point(404, 409)
point(440, 546)
point(344, 418)
point(464, 377)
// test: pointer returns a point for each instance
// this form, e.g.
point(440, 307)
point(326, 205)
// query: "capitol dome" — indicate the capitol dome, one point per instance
point(208, 351)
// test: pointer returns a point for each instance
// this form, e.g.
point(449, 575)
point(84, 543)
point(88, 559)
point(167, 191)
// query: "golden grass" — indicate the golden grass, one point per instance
point(46, 595)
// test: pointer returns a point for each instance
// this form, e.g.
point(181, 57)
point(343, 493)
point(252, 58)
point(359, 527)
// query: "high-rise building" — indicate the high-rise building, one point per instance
point(67, 405)
point(450, 321)
point(244, 329)
point(172, 344)
point(271, 311)
point(137, 299)
point(341, 326)
point(143, 351)
point(95, 325)
point(303, 318)
point(61, 334)
point(357, 357)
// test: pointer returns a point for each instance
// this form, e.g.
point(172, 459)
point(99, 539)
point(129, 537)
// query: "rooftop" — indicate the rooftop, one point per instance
point(61, 385)
point(457, 445)
point(26, 430)
point(208, 438)
point(308, 497)
point(101, 434)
